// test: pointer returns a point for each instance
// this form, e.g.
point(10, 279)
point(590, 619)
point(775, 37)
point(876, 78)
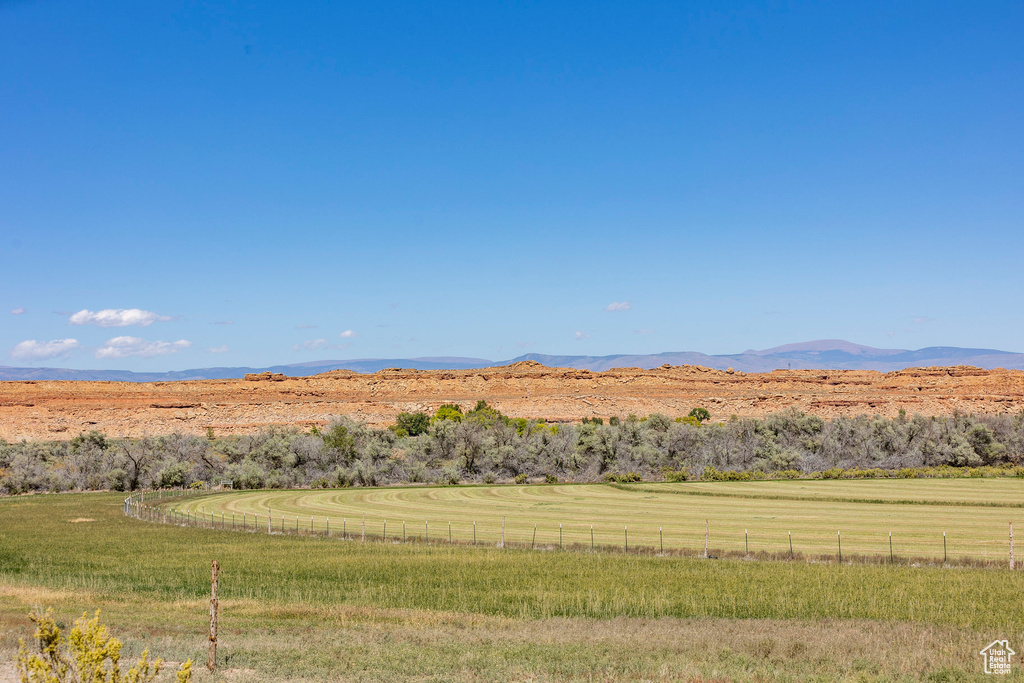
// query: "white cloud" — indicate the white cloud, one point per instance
point(921, 320)
point(645, 331)
point(117, 317)
point(310, 345)
point(30, 349)
point(224, 322)
point(347, 334)
point(219, 349)
point(18, 311)
point(580, 335)
point(123, 347)
point(616, 306)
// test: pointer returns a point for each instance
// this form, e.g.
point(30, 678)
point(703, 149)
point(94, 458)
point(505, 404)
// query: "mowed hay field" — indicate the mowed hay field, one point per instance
point(308, 608)
point(759, 517)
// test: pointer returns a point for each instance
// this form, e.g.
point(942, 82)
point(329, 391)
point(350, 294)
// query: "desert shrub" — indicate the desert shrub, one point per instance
point(88, 654)
point(489, 478)
point(550, 479)
point(117, 479)
point(713, 474)
point(676, 475)
point(173, 476)
point(484, 445)
point(247, 475)
point(520, 478)
point(449, 476)
point(342, 478)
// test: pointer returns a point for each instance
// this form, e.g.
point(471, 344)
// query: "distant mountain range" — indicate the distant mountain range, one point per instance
point(826, 354)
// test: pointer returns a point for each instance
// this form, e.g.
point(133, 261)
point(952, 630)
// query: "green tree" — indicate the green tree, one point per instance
point(449, 411)
point(339, 439)
point(700, 415)
point(486, 415)
point(413, 424)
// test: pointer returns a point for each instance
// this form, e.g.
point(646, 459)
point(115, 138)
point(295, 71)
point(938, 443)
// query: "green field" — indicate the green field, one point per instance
point(754, 516)
point(316, 609)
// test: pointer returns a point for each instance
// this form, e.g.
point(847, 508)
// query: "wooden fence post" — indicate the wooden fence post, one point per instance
point(1011, 546)
point(707, 529)
point(211, 663)
point(503, 531)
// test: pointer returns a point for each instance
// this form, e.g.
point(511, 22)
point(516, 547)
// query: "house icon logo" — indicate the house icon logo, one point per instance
point(997, 657)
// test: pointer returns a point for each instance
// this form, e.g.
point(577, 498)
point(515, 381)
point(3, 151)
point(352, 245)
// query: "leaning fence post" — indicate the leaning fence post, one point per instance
point(474, 531)
point(746, 543)
point(533, 543)
point(449, 532)
point(1011, 546)
point(385, 535)
point(839, 536)
point(890, 547)
point(591, 538)
point(944, 547)
point(661, 535)
point(559, 535)
point(790, 545)
point(625, 536)
point(211, 663)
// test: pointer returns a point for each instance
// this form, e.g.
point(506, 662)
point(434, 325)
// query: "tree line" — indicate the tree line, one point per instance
point(482, 445)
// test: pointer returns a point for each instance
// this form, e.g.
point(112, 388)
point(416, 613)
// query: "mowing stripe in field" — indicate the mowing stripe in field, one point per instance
point(813, 511)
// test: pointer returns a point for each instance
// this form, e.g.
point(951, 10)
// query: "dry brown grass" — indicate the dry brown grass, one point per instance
point(313, 643)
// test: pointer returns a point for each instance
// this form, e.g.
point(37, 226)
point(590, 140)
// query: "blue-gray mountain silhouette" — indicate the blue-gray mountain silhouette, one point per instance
point(826, 354)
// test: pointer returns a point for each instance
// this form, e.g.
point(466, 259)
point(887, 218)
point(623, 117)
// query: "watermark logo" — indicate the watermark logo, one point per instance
point(997, 657)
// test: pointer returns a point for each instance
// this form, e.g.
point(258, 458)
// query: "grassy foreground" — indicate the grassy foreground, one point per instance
point(757, 516)
point(312, 609)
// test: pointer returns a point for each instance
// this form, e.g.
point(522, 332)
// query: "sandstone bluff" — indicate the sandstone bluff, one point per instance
point(59, 410)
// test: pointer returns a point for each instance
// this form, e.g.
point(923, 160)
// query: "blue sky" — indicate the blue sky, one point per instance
point(195, 184)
